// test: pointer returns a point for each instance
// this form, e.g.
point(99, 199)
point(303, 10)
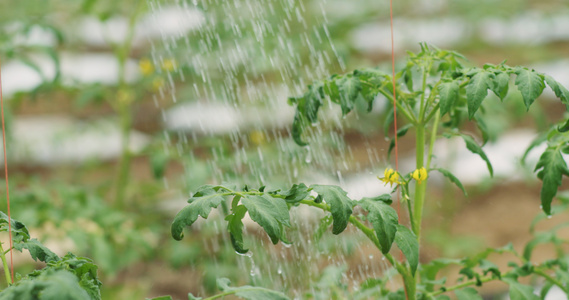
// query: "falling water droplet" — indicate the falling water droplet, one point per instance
point(308, 158)
point(549, 216)
point(247, 254)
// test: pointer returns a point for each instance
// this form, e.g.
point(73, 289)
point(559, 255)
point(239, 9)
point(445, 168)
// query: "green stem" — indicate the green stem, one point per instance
point(420, 188)
point(462, 285)
point(5, 265)
point(433, 137)
point(552, 280)
point(410, 117)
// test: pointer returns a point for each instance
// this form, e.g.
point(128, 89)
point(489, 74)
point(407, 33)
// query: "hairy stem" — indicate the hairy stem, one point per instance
point(5, 266)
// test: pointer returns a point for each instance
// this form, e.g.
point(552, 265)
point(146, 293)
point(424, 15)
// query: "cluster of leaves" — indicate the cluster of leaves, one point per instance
point(270, 209)
point(67, 277)
point(449, 88)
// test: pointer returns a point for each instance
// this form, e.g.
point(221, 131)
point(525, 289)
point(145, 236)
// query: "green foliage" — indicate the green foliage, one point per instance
point(384, 220)
point(340, 205)
point(68, 277)
point(406, 240)
point(552, 167)
point(450, 95)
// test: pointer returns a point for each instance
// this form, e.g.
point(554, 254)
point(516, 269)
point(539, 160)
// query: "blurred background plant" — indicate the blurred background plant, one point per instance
point(117, 110)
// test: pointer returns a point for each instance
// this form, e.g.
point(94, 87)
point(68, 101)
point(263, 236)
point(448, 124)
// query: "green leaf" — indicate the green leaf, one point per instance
point(407, 243)
point(452, 178)
point(553, 168)
point(250, 292)
point(384, 220)
point(235, 228)
point(49, 285)
point(473, 147)
point(467, 294)
point(501, 84)
point(564, 127)
point(297, 129)
point(296, 193)
point(530, 84)
point(340, 205)
point(477, 90)
point(560, 91)
point(307, 108)
point(19, 230)
point(540, 238)
point(271, 213)
point(519, 291)
point(448, 92)
point(489, 267)
point(349, 88)
point(201, 204)
point(37, 250)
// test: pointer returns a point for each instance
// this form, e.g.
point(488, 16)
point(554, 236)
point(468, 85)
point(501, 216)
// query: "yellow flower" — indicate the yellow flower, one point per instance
point(420, 174)
point(390, 176)
point(146, 67)
point(168, 65)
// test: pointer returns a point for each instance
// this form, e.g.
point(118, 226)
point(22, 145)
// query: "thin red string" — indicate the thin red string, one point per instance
point(401, 257)
point(7, 186)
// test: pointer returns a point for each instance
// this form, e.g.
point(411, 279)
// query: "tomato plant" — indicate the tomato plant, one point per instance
point(436, 95)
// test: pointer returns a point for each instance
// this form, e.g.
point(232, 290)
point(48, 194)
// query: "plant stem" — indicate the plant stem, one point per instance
point(410, 117)
point(433, 137)
point(552, 280)
point(5, 266)
point(464, 284)
point(420, 188)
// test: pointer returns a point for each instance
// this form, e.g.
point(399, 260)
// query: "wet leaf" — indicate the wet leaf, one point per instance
point(235, 228)
point(349, 88)
point(340, 205)
point(407, 242)
point(477, 90)
point(530, 84)
point(271, 213)
point(448, 92)
point(201, 203)
point(296, 193)
point(473, 147)
point(553, 167)
point(452, 178)
point(384, 221)
point(250, 292)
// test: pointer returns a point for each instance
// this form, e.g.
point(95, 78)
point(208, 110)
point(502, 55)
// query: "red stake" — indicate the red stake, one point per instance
point(395, 118)
point(6, 174)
